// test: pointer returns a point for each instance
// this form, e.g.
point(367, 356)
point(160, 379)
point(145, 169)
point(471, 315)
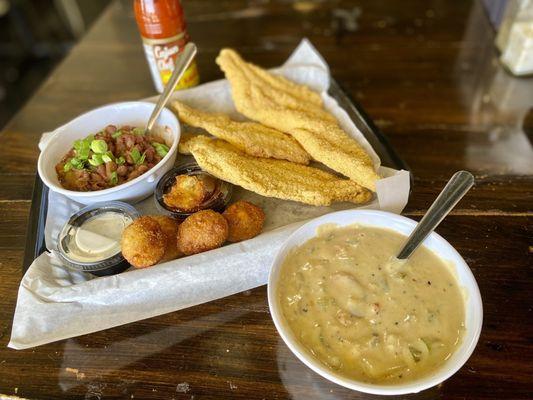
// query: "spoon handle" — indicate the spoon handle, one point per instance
point(182, 62)
point(455, 189)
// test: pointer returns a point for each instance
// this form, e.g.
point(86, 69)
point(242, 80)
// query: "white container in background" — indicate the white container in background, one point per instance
point(515, 37)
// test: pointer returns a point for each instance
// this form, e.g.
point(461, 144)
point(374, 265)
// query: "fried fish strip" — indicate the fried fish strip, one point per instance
point(297, 110)
point(252, 138)
point(183, 147)
point(274, 178)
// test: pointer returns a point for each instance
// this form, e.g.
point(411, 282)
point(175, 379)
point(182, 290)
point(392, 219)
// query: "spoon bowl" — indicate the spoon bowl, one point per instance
point(459, 184)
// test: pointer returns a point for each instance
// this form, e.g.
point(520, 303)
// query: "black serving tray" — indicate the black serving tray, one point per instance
point(35, 243)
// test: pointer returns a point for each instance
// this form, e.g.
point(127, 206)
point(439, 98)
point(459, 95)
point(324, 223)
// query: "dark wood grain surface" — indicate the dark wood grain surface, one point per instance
point(425, 71)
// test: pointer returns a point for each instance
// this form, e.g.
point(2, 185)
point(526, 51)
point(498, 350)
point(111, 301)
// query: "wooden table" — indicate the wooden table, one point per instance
point(426, 72)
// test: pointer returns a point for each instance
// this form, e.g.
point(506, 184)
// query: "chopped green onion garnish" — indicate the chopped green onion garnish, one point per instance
point(116, 134)
point(138, 131)
point(135, 155)
point(99, 146)
point(160, 148)
point(83, 153)
point(141, 160)
point(77, 144)
point(114, 177)
point(82, 148)
point(107, 157)
point(96, 160)
point(77, 163)
point(67, 167)
point(120, 160)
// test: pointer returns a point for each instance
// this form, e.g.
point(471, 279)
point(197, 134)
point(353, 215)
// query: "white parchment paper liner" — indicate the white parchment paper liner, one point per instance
point(55, 303)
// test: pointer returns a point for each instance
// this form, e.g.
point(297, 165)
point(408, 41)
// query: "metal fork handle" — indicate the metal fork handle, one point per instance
point(455, 189)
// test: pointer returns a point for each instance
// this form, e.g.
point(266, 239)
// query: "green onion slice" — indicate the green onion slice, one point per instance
point(121, 160)
point(135, 155)
point(138, 131)
point(107, 157)
point(141, 160)
point(96, 160)
point(160, 148)
point(83, 153)
point(99, 146)
point(77, 163)
point(116, 134)
point(114, 177)
point(82, 148)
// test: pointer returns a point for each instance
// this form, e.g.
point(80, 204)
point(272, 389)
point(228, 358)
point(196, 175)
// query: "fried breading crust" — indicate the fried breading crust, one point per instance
point(143, 242)
point(245, 220)
point(184, 138)
point(202, 231)
point(274, 178)
point(169, 226)
point(252, 138)
point(298, 111)
point(187, 193)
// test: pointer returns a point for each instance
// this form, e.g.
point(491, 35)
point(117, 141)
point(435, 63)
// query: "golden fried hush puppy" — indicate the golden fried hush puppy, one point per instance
point(169, 226)
point(202, 231)
point(143, 242)
point(245, 220)
point(189, 192)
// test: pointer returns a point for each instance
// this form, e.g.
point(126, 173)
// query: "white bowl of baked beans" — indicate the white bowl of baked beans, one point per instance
point(105, 154)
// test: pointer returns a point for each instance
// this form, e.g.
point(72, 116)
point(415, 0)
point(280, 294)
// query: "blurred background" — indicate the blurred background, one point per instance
point(34, 36)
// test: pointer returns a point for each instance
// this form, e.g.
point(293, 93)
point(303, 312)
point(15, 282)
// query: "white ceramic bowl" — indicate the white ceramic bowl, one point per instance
point(134, 113)
point(381, 219)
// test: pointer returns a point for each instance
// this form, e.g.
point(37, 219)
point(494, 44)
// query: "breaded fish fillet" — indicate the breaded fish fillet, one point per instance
point(274, 178)
point(252, 138)
point(297, 110)
point(185, 136)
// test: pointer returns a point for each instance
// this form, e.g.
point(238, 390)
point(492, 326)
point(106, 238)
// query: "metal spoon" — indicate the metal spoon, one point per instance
point(182, 62)
point(455, 189)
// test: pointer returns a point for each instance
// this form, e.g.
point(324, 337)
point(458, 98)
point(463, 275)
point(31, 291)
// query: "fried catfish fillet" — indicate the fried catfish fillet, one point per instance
point(252, 138)
point(297, 110)
point(274, 178)
point(184, 138)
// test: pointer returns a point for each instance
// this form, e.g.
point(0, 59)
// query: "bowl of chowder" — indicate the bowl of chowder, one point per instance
point(353, 313)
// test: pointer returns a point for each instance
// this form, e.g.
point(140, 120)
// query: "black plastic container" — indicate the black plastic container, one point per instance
point(109, 265)
point(217, 202)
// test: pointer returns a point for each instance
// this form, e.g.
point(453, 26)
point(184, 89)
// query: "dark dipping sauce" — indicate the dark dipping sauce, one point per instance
point(216, 196)
point(109, 158)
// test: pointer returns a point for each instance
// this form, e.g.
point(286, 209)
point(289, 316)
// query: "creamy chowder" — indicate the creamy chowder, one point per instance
point(365, 314)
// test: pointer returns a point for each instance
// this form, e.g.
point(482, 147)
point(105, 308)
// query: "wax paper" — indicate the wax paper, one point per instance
point(56, 303)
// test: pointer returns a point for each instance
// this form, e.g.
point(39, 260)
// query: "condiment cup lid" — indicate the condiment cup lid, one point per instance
point(77, 220)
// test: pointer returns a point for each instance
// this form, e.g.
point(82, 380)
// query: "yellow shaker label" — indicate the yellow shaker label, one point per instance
point(161, 55)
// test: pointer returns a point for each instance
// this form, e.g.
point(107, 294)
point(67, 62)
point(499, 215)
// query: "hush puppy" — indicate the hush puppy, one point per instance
point(202, 231)
point(143, 242)
point(245, 220)
point(169, 226)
